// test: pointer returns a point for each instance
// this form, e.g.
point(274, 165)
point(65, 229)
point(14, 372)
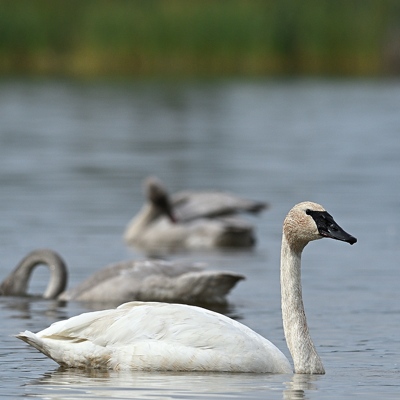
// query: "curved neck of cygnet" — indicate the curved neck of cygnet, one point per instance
point(141, 222)
point(301, 346)
point(16, 284)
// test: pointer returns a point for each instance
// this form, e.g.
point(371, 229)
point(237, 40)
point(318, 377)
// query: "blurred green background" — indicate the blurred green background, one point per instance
point(91, 38)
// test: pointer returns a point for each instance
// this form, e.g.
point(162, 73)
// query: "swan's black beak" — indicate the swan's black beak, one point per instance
point(327, 227)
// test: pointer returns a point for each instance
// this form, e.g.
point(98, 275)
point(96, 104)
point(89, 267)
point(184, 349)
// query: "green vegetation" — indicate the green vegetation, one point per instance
point(199, 38)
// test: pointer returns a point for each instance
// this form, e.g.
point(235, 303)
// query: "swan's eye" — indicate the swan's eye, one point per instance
point(308, 211)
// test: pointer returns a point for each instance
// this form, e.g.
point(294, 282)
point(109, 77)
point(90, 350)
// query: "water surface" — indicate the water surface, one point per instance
point(72, 159)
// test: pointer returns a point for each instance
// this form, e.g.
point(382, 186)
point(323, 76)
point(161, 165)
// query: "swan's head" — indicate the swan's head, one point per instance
point(309, 221)
point(158, 196)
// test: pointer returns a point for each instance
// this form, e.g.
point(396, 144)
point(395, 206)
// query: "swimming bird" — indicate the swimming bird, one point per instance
point(191, 220)
point(147, 280)
point(176, 337)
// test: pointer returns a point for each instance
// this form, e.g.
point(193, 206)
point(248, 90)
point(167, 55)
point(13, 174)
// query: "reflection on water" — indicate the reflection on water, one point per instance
point(29, 307)
point(168, 385)
point(153, 385)
point(299, 385)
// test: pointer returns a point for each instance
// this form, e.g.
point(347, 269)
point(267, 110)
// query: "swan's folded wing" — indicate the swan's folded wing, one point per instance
point(210, 287)
point(157, 336)
point(190, 205)
point(136, 321)
point(120, 281)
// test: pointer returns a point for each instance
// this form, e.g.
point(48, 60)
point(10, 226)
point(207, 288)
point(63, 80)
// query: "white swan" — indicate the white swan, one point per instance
point(149, 280)
point(191, 219)
point(159, 336)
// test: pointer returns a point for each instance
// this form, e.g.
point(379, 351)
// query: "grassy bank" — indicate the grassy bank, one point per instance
point(199, 38)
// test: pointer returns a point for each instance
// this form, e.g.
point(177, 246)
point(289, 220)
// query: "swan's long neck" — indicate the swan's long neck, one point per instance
point(301, 346)
point(141, 222)
point(16, 284)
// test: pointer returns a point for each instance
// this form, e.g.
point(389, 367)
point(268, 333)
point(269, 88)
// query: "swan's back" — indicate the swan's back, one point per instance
point(155, 280)
point(158, 336)
point(192, 204)
point(125, 280)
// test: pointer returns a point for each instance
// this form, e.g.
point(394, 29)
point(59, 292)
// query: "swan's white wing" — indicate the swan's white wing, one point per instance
point(158, 336)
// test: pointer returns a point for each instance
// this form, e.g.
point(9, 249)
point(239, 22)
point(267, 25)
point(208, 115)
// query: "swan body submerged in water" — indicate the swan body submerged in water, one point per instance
point(159, 336)
point(191, 220)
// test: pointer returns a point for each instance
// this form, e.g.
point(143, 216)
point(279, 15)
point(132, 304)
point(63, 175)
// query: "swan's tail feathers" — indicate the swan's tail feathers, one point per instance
point(226, 281)
point(210, 286)
point(29, 337)
point(33, 340)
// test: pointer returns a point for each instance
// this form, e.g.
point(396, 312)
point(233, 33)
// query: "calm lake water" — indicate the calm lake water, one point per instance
point(72, 160)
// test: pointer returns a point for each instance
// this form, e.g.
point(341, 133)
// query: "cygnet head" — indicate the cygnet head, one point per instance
point(309, 221)
point(158, 197)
